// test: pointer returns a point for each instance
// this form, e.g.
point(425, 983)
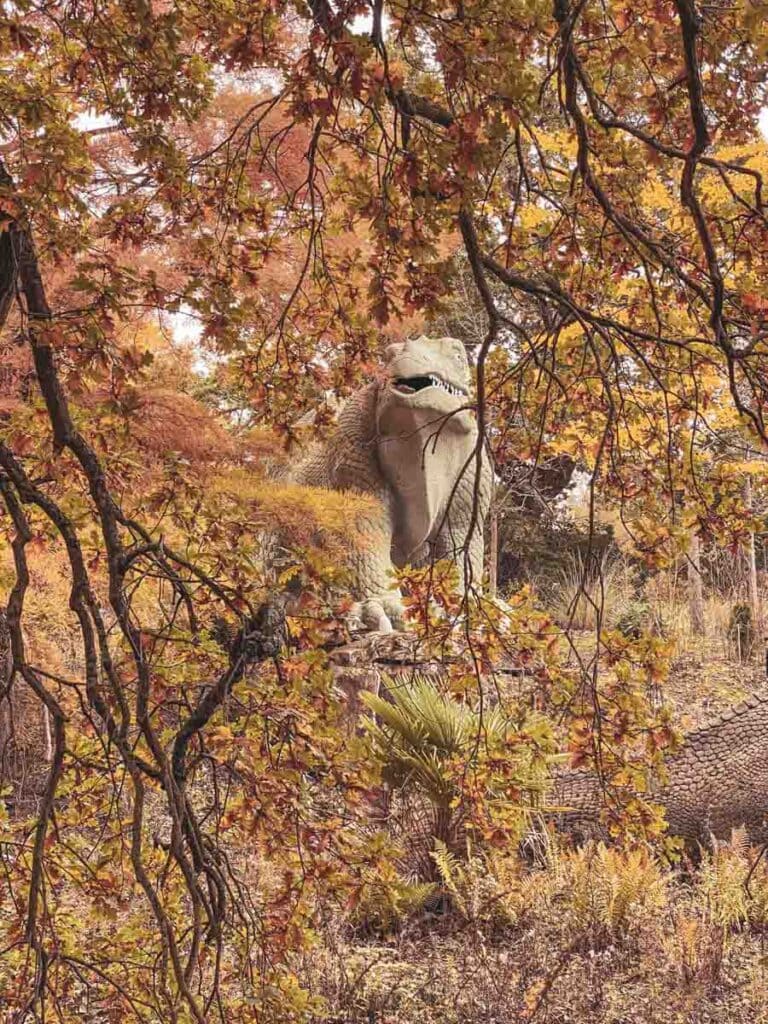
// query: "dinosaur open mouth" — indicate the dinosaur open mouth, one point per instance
point(409, 385)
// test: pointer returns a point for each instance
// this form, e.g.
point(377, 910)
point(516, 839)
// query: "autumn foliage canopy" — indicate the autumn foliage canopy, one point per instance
point(214, 217)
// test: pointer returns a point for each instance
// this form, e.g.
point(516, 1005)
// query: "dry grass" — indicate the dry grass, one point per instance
point(587, 593)
point(597, 935)
point(607, 593)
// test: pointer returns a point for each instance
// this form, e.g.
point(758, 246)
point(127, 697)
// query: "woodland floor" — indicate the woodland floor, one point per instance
point(704, 681)
point(531, 975)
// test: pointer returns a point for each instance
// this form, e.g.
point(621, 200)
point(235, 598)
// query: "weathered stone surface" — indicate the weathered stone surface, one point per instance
point(378, 661)
point(365, 662)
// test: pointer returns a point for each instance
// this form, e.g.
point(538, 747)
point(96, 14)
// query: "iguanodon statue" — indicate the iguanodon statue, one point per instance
point(718, 781)
point(409, 439)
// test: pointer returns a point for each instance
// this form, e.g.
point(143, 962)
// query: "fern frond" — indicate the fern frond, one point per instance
point(451, 875)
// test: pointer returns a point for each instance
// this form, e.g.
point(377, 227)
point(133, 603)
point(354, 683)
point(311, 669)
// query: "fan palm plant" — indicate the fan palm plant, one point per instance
point(469, 764)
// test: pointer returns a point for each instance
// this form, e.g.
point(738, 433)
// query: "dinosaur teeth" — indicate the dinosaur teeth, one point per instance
point(438, 382)
point(410, 385)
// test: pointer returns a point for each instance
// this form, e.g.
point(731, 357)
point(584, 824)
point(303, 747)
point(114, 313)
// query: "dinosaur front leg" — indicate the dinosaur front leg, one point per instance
point(379, 615)
point(379, 604)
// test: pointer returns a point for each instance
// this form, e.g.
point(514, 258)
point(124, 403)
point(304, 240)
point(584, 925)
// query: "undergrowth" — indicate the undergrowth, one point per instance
point(596, 934)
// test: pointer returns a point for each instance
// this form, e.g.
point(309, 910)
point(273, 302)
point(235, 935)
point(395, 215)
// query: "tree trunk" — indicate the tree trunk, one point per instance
point(695, 586)
point(754, 596)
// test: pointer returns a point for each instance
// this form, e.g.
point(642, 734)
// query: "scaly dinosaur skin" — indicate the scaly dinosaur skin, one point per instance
point(409, 440)
point(718, 781)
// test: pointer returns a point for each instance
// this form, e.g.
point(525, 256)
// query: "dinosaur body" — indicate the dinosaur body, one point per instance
point(410, 440)
point(718, 781)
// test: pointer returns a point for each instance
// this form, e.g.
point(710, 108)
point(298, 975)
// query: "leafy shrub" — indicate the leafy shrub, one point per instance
point(741, 631)
point(476, 886)
point(635, 620)
point(614, 893)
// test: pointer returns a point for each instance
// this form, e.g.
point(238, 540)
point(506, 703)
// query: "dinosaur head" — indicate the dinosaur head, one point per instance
point(427, 380)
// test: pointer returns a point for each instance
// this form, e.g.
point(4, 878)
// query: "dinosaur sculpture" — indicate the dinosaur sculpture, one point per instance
point(409, 439)
point(718, 781)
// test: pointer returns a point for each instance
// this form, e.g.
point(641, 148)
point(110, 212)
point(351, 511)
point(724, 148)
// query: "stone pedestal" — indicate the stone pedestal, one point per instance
point(362, 664)
point(368, 659)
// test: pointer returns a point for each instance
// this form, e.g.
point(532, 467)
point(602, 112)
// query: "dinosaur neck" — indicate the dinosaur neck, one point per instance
point(421, 455)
